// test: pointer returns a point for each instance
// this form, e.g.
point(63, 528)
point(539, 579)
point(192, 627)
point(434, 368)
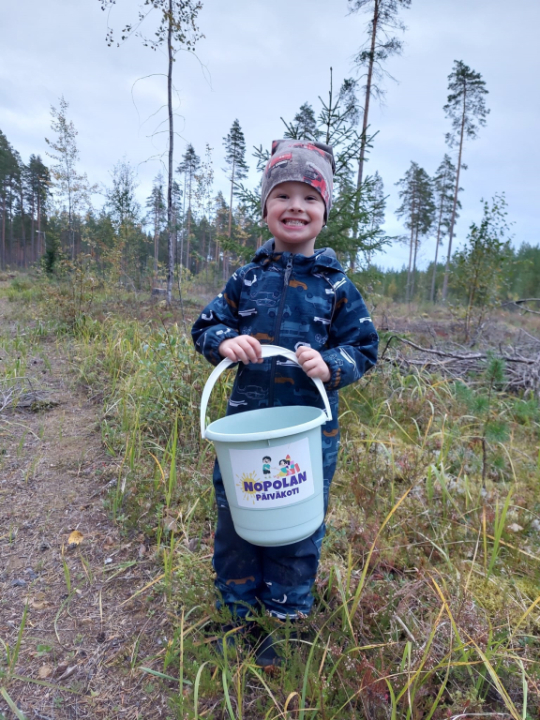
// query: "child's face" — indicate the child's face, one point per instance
point(295, 216)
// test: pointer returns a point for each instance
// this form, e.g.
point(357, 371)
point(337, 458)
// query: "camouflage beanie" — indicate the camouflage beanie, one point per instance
point(300, 161)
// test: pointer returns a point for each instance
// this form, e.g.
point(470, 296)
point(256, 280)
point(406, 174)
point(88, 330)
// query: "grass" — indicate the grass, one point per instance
point(427, 601)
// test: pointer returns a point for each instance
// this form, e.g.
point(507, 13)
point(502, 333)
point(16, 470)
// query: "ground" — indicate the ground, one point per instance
point(427, 597)
point(83, 637)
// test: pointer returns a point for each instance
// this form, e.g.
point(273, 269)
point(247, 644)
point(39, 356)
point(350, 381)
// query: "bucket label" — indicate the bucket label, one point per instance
point(273, 477)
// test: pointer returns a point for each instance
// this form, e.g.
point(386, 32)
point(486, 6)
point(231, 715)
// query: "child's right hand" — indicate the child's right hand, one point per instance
point(243, 348)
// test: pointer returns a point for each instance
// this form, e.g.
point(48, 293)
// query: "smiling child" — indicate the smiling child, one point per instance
point(299, 298)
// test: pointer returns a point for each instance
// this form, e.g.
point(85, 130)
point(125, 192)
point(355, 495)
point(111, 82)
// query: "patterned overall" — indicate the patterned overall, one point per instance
point(288, 300)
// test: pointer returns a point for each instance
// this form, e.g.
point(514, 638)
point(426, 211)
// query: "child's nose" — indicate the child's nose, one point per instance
point(296, 203)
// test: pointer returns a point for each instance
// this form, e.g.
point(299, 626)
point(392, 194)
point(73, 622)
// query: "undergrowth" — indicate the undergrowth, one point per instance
point(428, 593)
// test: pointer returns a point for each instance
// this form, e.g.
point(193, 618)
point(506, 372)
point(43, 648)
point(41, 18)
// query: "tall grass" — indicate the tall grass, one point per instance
point(427, 602)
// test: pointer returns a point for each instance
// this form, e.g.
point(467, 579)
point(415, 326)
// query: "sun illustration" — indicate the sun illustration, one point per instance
point(246, 483)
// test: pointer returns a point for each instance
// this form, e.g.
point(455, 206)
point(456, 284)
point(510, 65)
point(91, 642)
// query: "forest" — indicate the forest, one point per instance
point(427, 597)
point(48, 216)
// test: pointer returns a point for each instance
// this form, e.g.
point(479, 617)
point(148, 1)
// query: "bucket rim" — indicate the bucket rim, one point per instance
point(315, 422)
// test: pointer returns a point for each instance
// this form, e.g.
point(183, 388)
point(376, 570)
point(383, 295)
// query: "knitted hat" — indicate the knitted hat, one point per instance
point(300, 161)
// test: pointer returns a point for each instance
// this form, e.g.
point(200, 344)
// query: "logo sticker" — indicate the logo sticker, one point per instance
point(273, 477)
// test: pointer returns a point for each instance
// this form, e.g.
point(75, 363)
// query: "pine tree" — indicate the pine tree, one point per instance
point(121, 197)
point(221, 213)
point(156, 213)
point(235, 157)
point(380, 45)
point(10, 176)
point(443, 188)
point(190, 164)
point(38, 189)
point(203, 200)
point(376, 205)
point(467, 110)
point(418, 209)
point(304, 125)
point(6, 160)
point(352, 227)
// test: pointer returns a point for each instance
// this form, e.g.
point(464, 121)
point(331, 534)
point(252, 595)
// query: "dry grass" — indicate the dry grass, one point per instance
point(428, 595)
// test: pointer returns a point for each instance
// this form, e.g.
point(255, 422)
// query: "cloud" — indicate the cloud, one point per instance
point(261, 61)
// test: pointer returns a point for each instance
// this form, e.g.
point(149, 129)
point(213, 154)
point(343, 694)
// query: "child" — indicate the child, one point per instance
point(266, 468)
point(299, 298)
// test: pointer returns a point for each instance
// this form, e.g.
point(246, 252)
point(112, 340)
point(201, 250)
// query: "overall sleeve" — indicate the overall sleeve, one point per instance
point(353, 340)
point(218, 321)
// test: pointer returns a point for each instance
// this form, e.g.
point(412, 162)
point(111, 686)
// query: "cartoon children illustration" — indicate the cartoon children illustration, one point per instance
point(292, 466)
point(266, 468)
point(283, 468)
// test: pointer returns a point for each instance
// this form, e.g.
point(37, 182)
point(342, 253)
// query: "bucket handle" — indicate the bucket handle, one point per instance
point(267, 352)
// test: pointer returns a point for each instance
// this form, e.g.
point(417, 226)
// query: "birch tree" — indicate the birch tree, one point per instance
point(71, 188)
point(481, 265)
point(177, 28)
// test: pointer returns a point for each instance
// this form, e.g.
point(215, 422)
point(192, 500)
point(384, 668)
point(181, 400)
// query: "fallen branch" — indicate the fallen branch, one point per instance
point(522, 371)
point(457, 356)
point(520, 305)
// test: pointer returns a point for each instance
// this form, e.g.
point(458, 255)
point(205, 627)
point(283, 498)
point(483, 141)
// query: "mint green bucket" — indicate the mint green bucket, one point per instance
point(271, 464)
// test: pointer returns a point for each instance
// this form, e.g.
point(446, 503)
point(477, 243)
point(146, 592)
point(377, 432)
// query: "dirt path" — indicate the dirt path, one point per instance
point(81, 640)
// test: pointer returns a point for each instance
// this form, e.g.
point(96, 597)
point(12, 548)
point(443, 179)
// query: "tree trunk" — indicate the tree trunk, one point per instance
point(432, 296)
point(454, 205)
point(408, 291)
point(156, 250)
point(365, 118)
point(11, 253)
point(188, 245)
point(3, 248)
point(225, 255)
point(368, 95)
point(203, 247)
point(170, 264)
point(33, 229)
point(39, 243)
point(23, 233)
point(413, 210)
point(413, 279)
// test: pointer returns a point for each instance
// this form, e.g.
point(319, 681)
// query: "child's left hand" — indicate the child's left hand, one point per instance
point(312, 363)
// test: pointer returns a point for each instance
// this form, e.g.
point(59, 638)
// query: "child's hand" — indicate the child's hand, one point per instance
point(243, 348)
point(312, 363)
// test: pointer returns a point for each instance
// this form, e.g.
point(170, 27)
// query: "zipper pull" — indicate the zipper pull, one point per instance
point(288, 271)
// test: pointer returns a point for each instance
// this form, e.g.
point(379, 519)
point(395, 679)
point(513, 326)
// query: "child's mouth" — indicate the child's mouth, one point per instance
point(295, 223)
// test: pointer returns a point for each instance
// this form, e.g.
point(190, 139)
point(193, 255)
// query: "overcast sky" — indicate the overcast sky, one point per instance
point(260, 61)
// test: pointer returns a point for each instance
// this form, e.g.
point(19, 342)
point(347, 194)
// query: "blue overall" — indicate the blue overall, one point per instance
point(287, 300)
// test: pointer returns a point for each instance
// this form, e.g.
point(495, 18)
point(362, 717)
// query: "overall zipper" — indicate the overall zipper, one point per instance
point(288, 271)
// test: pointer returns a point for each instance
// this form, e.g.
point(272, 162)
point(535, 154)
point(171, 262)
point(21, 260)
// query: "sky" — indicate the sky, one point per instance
point(259, 61)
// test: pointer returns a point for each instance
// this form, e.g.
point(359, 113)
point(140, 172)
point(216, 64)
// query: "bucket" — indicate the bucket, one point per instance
point(271, 464)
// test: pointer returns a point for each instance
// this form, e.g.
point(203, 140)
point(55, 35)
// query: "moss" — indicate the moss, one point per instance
point(495, 597)
point(528, 587)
